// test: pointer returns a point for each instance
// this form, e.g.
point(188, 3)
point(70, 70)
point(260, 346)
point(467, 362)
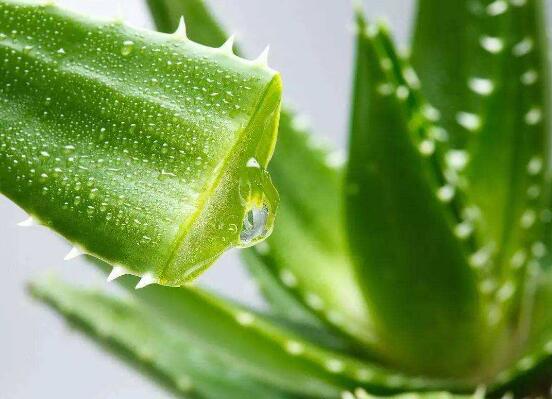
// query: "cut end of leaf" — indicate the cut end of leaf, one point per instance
point(136, 143)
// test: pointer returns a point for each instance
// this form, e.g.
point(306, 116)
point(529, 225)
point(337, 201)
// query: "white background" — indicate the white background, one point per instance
point(311, 44)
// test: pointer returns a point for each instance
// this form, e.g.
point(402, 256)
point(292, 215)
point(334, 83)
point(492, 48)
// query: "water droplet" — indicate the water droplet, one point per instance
point(259, 198)
point(254, 225)
point(128, 46)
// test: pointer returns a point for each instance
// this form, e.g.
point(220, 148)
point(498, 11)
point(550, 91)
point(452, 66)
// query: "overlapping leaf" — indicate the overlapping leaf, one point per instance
point(309, 232)
point(400, 212)
point(247, 343)
point(484, 66)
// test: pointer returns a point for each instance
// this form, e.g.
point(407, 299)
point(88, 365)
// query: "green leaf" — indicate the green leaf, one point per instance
point(266, 351)
point(144, 149)
point(401, 215)
point(493, 92)
point(174, 359)
point(440, 27)
point(310, 232)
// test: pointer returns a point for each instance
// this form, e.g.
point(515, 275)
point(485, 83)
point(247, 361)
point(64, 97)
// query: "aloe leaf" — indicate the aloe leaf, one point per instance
point(515, 127)
point(281, 301)
point(440, 27)
point(308, 176)
point(144, 149)
point(137, 337)
point(268, 352)
point(423, 294)
point(311, 233)
point(494, 97)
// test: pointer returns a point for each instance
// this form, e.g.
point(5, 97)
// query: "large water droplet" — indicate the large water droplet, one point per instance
point(254, 225)
point(260, 199)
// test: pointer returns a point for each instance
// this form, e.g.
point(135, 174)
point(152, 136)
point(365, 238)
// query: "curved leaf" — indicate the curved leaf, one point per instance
point(137, 337)
point(401, 214)
point(493, 93)
point(144, 149)
point(268, 352)
point(310, 232)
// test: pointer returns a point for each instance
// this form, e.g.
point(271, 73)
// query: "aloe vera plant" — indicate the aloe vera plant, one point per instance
point(419, 268)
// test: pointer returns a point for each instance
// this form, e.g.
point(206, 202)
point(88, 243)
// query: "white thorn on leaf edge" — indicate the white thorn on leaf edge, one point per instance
point(73, 253)
point(228, 46)
point(181, 30)
point(146, 280)
point(262, 59)
point(29, 222)
point(117, 272)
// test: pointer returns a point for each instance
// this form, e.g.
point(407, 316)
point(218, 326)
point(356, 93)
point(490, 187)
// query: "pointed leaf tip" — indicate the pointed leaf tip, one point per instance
point(147, 279)
point(117, 272)
point(73, 253)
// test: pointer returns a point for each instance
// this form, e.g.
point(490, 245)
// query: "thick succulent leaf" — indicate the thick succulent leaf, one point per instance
point(401, 215)
point(310, 233)
point(156, 349)
point(493, 94)
point(144, 149)
point(510, 150)
point(266, 351)
point(281, 300)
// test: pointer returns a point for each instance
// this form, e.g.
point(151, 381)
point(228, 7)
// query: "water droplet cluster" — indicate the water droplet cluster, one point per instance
point(114, 136)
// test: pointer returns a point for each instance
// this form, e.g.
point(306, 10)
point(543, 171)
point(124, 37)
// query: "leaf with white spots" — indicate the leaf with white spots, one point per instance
point(174, 360)
point(401, 217)
point(137, 146)
point(309, 177)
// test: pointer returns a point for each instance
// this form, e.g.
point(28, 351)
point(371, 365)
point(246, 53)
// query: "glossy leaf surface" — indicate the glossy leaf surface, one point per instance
point(144, 149)
point(309, 179)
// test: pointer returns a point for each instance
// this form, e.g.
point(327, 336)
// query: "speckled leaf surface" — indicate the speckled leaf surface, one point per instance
point(309, 177)
point(144, 149)
point(400, 214)
point(137, 337)
point(268, 352)
point(492, 95)
point(442, 281)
